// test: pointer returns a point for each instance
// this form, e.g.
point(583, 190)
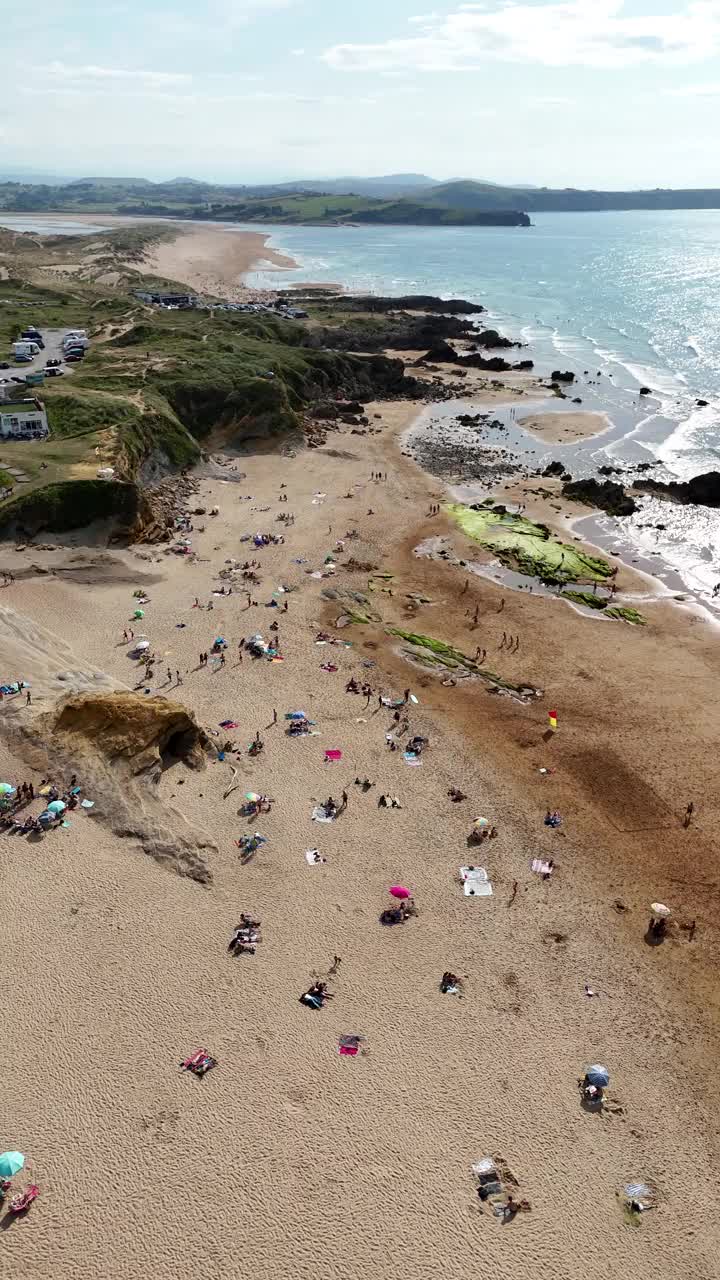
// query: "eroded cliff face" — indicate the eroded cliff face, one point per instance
point(119, 743)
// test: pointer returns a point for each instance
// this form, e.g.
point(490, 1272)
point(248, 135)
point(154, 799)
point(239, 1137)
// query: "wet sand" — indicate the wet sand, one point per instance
point(564, 427)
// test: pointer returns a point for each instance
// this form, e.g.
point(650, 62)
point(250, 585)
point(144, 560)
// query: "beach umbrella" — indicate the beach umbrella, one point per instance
point(142, 645)
point(220, 640)
point(57, 806)
point(6, 789)
point(295, 715)
point(480, 822)
point(598, 1075)
point(11, 1162)
point(252, 795)
point(139, 613)
point(659, 909)
point(399, 891)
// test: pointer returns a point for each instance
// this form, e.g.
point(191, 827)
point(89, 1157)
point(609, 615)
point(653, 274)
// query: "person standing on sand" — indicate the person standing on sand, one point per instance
point(178, 677)
point(688, 812)
point(169, 676)
point(28, 698)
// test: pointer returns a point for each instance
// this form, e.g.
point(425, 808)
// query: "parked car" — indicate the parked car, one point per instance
point(52, 364)
point(73, 357)
point(54, 373)
point(4, 364)
point(15, 378)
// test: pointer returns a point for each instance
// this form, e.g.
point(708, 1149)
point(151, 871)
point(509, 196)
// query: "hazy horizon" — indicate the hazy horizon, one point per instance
point(608, 94)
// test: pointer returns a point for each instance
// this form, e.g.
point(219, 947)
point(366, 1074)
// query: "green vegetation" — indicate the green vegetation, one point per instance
point(155, 386)
point(215, 203)
point(6, 480)
point(529, 548)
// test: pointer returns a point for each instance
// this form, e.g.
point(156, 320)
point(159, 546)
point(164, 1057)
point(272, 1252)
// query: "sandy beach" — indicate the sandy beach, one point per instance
point(287, 1159)
point(206, 257)
point(214, 260)
point(564, 427)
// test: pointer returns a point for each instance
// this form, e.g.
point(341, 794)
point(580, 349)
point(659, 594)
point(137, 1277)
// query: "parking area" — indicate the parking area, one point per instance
point(16, 373)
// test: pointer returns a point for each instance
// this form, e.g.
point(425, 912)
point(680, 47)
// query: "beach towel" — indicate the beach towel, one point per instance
point(229, 724)
point(87, 804)
point(348, 1046)
point(312, 857)
point(319, 815)
point(478, 889)
point(540, 867)
point(473, 873)
point(411, 758)
point(332, 756)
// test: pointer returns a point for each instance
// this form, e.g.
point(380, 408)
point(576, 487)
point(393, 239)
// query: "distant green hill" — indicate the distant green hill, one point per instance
point(485, 196)
point(183, 198)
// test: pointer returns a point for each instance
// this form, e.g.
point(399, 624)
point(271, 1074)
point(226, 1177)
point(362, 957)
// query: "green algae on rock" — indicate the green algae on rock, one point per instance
point(590, 601)
point(528, 547)
point(430, 652)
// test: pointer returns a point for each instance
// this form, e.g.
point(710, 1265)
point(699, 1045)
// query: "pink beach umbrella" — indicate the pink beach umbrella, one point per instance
point(333, 755)
point(399, 891)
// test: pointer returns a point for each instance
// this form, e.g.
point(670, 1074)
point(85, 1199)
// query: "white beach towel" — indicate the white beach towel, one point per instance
point(473, 873)
point(478, 889)
point(540, 867)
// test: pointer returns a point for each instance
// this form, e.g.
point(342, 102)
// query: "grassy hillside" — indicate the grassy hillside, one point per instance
point(156, 387)
point(185, 199)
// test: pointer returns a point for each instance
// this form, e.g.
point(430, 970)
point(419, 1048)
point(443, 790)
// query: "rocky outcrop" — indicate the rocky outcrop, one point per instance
point(554, 469)
point(702, 490)
point(119, 744)
point(399, 331)
point(370, 303)
point(558, 375)
point(603, 494)
point(144, 732)
point(491, 338)
point(443, 353)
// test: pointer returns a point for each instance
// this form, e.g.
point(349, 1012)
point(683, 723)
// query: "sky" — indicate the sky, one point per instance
point(602, 93)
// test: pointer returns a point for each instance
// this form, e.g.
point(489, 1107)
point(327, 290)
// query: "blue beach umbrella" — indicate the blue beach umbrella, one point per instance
point(598, 1075)
point(57, 806)
point(11, 1162)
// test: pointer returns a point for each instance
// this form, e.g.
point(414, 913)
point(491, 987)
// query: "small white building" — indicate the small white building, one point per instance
point(23, 420)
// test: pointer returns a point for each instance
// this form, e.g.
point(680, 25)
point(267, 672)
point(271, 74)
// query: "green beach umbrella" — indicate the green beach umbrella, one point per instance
point(57, 806)
point(6, 789)
point(11, 1162)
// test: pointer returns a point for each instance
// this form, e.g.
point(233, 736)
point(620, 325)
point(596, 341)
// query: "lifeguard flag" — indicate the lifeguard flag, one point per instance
point(552, 718)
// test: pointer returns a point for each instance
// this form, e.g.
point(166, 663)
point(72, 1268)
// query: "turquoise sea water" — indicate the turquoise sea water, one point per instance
point(633, 296)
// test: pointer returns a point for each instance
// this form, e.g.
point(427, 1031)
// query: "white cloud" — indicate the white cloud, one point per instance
point(697, 91)
point(94, 74)
point(595, 33)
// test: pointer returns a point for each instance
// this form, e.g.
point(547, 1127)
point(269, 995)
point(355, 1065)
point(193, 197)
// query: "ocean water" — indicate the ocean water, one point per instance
point(632, 297)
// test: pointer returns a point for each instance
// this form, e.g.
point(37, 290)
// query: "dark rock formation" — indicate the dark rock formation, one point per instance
point(368, 302)
point(554, 469)
point(645, 391)
point(703, 490)
point(603, 494)
point(443, 353)
point(491, 338)
point(557, 375)
point(701, 404)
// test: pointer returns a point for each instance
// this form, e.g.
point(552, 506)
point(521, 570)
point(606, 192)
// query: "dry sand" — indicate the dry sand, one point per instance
point(214, 260)
point(563, 428)
point(288, 1160)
